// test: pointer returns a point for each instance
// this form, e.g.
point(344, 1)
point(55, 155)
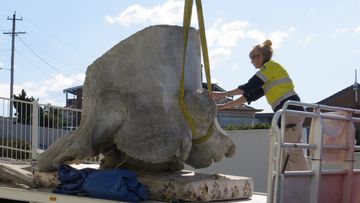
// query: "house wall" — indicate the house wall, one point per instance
point(235, 118)
point(265, 118)
point(250, 160)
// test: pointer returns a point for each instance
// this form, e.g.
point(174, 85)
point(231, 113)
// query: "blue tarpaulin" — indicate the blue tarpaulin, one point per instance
point(115, 184)
point(71, 180)
point(118, 184)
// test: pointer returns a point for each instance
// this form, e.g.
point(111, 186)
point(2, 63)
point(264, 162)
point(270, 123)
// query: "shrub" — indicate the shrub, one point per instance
point(248, 127)
point(7, 152)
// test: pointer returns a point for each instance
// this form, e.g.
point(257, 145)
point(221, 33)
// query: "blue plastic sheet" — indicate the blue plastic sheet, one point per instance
point(114, 184)
point(71, 180)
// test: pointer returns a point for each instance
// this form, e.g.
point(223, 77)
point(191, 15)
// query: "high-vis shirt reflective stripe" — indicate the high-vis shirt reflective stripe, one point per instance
point(277, 84)
point(261, 76)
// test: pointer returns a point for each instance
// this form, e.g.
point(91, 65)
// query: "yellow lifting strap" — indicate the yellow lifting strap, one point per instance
point(184, 109)
point(204, 47)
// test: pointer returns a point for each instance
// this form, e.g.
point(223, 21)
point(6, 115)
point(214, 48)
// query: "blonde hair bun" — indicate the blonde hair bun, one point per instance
point(267, 43)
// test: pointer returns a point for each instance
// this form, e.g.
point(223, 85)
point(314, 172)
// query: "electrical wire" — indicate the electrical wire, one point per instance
point(43, 60)
point(56, 51)
point(33, 65)
point(69, 49)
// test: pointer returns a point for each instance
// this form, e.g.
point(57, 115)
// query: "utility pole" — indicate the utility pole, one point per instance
point(13, 33)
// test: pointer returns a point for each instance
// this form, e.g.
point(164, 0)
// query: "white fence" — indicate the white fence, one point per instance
point(32, 127)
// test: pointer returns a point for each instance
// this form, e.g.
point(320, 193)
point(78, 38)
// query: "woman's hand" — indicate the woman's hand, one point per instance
point(218, 95)
point(221, 107)
point(237, 102)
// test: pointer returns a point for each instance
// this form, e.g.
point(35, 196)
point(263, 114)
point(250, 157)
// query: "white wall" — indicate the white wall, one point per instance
point(250, 160)
point(252, 157)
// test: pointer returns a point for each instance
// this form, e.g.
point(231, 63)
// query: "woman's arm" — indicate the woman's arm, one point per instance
point(230, 93)
point(249, 92)
point(253, 89)
point(237, 102)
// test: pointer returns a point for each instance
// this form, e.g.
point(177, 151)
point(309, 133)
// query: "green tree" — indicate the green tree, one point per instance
point(48, 116)
point(23, 110)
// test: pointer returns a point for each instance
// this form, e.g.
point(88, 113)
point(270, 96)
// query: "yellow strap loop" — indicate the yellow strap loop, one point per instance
point(206, 136)
point(204, 47)
point(184, 109)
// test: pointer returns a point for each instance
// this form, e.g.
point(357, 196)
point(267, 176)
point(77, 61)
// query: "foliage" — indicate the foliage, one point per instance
point(48, 117)
point(6, 151)
point(23, 110)
point(248, 127)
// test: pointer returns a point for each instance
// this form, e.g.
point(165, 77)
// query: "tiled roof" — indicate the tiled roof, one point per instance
point(344, 98)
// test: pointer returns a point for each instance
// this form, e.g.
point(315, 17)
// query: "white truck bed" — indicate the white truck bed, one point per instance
point(18, 180)
point(44, 195)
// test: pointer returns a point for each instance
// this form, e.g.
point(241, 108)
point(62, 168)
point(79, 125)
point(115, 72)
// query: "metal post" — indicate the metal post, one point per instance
point(34, 129)
point(316, 163)
point(13, 34)
point(12, 64)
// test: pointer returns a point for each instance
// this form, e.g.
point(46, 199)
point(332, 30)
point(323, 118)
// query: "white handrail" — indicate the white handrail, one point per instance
point(318, 113)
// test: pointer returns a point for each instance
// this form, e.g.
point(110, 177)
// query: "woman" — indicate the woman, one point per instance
point(273, 81)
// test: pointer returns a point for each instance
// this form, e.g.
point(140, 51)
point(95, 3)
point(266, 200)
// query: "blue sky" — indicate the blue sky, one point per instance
point(317, 41)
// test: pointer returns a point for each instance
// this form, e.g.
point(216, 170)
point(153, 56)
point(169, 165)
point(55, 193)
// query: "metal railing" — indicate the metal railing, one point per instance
point(308, 183)
point(33, 127)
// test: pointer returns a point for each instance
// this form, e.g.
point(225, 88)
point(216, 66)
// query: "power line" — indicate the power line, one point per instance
point(53, 55)
point(78, 53)
point(27, 59)
point(54, 50)
point(43, 60)
point(57, 50)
